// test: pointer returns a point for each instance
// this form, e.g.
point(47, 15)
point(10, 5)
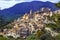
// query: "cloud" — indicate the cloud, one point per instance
point(11, 0)
point(9, 3)
point(19, 0)
point(54, 1)
point(5, 4)
point(7, 0)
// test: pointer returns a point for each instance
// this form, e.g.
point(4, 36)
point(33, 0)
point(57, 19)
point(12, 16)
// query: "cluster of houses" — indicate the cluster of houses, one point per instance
point(29, 23)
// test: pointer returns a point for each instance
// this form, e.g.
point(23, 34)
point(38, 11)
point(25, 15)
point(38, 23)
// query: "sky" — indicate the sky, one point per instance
point(9, 3)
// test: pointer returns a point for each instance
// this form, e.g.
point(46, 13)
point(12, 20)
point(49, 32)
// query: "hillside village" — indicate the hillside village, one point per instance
point(29, 23)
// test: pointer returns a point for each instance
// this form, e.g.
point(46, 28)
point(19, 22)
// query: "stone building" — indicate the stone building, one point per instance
point(29, 23)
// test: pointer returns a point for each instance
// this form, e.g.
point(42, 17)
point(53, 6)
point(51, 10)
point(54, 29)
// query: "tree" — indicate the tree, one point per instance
point(10, 38)
point(55, 26)
point(39, 33)
point(32, 37)
point(58, 4)
point(8, 27)
point(57, 37)
point(1, 23)
point(19, 38)
point(3, 38)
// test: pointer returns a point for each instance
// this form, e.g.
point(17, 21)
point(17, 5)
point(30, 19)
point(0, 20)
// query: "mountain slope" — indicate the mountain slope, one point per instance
point(21, 8)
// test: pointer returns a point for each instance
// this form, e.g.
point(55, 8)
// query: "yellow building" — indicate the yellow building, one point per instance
point(25, 16)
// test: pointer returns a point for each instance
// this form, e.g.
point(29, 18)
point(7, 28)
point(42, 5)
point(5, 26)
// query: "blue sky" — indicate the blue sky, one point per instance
point(9, 3)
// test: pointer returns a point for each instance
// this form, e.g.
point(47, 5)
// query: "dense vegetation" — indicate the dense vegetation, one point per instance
point(57, 4)
point(55, 26)
point(3, 24)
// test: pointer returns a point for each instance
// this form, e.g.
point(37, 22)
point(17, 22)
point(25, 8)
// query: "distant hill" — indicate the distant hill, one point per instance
point(22, 8)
